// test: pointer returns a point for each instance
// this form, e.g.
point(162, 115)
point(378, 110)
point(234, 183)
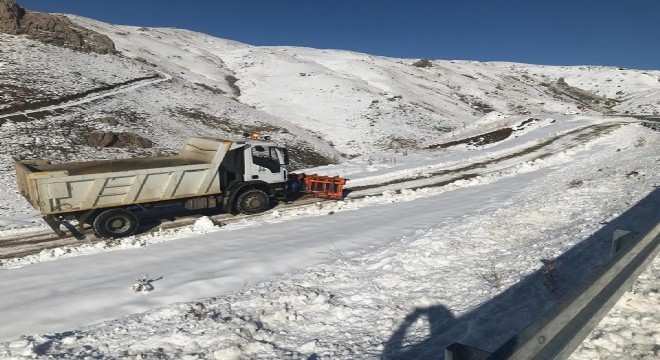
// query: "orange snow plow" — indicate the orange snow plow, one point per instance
point(327, 187)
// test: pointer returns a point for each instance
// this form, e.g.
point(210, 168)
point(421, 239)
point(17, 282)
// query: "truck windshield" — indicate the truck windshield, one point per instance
point(266, 157)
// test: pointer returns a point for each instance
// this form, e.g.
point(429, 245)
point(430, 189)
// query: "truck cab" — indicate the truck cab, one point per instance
point(266, 162)
point(255, 166)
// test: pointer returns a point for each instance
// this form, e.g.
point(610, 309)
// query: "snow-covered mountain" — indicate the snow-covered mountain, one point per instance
point(466, 177)
point(357, 103)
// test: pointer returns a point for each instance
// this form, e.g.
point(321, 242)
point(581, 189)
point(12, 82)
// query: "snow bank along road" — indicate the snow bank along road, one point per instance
point(28, 243)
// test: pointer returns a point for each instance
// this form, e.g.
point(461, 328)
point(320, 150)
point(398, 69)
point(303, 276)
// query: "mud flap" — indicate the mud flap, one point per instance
point(55, 225)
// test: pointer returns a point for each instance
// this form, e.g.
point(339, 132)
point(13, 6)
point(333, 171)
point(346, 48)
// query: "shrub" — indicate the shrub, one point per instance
point(575, 183)
point(423, 63)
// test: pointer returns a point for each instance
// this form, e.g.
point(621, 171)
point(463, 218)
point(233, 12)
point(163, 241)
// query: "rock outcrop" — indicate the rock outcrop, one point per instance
point(51, 29)
point(120, 140)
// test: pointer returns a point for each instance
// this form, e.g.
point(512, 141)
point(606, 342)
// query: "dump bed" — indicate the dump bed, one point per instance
point(77, 186)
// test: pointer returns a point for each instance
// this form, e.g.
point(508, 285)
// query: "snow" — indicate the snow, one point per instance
point(435, 246)
point(345, 284)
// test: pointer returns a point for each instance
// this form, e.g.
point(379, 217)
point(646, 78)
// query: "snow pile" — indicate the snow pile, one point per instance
point(204, 225)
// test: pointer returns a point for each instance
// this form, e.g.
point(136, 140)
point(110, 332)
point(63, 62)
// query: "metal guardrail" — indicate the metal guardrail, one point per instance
point(560, 330)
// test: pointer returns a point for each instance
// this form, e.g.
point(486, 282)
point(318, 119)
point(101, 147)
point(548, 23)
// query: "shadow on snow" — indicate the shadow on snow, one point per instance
point(496, 321)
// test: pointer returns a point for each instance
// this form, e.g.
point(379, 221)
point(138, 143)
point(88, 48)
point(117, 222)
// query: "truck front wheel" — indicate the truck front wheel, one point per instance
point(252, 201)
point(115, 223)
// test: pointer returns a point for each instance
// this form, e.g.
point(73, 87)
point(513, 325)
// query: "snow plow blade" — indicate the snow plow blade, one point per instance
point(325, 187)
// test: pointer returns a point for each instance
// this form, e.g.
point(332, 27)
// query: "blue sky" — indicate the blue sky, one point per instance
point(557, 32)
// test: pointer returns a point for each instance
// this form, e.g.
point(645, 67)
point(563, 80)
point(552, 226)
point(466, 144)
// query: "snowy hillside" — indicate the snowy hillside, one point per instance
point(355, 100)
point(468, 181)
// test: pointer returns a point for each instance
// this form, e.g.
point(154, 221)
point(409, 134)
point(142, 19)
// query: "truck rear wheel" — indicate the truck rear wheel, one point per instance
point(115, 223)
point(252, 201)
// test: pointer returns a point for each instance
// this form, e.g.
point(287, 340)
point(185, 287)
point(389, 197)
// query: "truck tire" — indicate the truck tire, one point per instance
point(115, 223)
point(252, 201)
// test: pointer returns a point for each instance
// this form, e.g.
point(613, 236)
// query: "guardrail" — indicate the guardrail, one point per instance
point(559, 331)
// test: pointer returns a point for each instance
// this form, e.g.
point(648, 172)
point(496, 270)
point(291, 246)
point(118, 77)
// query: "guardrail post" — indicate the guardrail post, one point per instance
point(620, 238)
point(458, 351)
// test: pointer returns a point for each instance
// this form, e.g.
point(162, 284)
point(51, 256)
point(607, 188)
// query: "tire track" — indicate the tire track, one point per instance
point(580, 136)
point(41, 109)
point(35, 242)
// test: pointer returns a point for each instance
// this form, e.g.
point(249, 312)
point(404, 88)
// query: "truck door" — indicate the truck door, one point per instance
point(266, 164)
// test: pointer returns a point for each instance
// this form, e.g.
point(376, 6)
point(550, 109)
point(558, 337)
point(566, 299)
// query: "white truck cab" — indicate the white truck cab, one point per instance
point(265, 162)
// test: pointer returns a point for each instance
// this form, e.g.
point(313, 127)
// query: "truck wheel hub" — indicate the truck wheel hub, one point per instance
point(254, 202)
point(117, 224)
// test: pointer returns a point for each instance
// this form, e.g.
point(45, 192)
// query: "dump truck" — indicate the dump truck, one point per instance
point(237, 176)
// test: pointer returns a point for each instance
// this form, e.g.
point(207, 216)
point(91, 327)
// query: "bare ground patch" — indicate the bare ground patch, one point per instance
point(479, 140)
point(121, 140)
point(225, 124)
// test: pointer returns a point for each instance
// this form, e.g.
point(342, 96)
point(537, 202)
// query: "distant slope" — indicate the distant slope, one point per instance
point(359, 102)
